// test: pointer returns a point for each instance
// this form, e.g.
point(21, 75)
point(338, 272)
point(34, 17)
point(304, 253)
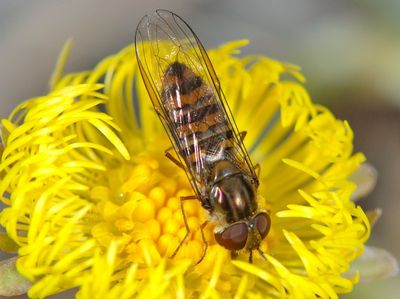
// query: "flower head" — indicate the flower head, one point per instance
point(93, 203)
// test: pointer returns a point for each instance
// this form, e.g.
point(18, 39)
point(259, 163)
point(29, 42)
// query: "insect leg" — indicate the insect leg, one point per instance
point(159, 113)
point(250, 256)
point(262, 254)
point(257, 168)
point(172, 158)
point(204, 242)
point(183, 198)
point(234, 254)
point(242, 135)
point(190, 197)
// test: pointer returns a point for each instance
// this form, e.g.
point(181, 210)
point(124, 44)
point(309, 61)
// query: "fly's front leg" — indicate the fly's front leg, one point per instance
point(234, 254)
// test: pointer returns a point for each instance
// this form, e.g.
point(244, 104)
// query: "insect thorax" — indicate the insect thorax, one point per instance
point(232, 194)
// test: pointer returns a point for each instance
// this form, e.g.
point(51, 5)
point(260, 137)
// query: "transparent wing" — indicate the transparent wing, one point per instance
point(162, 40)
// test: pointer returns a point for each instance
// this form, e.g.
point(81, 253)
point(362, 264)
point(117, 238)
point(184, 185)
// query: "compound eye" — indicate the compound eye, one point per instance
point(262, 222)
point(234, 237)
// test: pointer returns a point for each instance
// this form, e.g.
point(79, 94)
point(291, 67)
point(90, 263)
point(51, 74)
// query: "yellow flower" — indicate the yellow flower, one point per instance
point(93, 203)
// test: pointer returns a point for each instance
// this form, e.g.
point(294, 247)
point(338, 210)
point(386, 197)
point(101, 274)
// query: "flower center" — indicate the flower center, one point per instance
point(140, 205)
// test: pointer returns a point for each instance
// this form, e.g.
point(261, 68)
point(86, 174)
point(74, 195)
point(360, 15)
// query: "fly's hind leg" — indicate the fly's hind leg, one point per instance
point(168, 154)
point(242, 135)
point(257, 169)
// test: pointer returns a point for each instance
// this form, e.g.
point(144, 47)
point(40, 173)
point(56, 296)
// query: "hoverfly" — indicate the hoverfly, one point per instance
point(187, 96)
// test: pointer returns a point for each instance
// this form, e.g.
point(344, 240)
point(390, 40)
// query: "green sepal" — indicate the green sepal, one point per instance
point(7, 244)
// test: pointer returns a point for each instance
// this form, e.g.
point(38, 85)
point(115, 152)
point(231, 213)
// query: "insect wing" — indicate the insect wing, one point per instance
point(162, 39)
point(158, 39)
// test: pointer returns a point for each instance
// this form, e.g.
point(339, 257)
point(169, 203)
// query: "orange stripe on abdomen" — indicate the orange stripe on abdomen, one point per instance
point(197, 116)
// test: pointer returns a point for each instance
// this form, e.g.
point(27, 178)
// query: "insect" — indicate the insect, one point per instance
point(187, 96)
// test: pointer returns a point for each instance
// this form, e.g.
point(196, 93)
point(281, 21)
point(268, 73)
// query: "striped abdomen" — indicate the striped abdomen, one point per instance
point(201, 128)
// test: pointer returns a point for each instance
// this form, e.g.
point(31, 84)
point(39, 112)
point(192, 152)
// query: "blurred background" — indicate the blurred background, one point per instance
point(349, 51)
